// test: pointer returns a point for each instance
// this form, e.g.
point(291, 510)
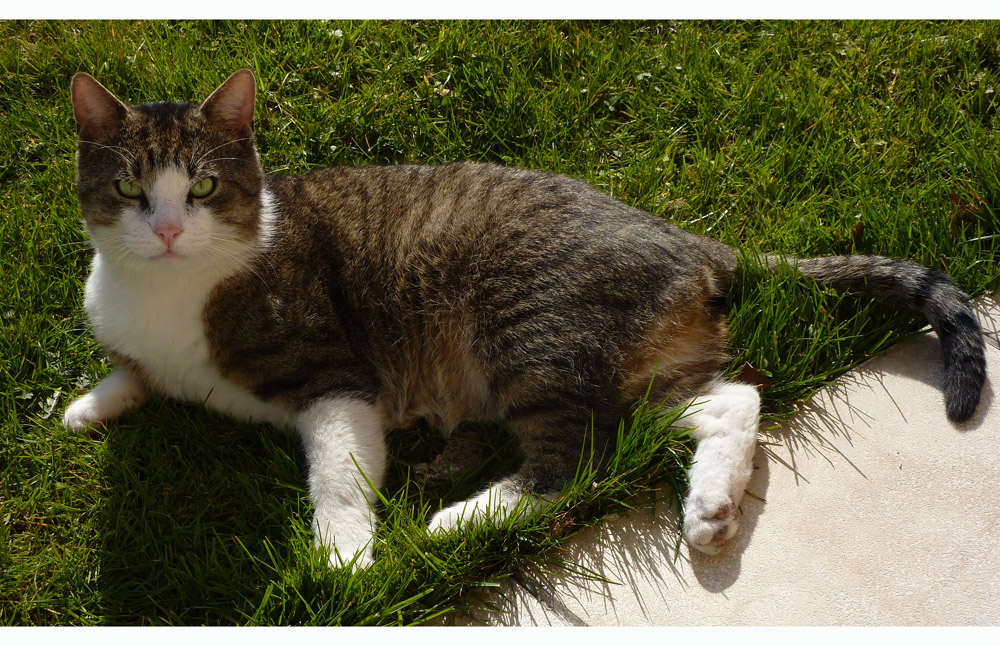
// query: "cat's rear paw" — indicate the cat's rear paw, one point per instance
point(708, 525)
point(452, 517)
point(498, 502)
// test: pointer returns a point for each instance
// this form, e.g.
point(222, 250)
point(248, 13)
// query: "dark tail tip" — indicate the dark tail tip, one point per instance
point(962, 389)
point(961, 403)
point(964, 364)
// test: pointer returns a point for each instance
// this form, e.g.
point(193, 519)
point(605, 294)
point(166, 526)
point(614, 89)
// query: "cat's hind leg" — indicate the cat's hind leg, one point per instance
point(340, 436)
point(553, 444)
point(116, 393)
point(500, 500)
point(725, 422)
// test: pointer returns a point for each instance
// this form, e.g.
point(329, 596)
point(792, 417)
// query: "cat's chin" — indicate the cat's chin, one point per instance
point(169, 258)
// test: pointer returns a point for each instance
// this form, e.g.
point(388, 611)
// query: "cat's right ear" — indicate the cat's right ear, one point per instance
point(231, 105)
point(98, 111)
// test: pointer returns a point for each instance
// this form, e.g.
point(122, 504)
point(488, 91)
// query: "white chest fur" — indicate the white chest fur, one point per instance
point(156, 319)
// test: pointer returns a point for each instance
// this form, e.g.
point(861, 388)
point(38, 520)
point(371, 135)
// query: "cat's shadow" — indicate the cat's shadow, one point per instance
point(626, 562)
point(199, 511)
point(191, 501)
point(196, 506)
point(918, 360)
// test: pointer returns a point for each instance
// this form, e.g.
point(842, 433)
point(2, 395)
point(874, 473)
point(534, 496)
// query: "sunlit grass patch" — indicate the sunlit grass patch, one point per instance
point(803, 138)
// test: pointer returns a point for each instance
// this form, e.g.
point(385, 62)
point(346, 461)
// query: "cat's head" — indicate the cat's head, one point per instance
point(169, 185)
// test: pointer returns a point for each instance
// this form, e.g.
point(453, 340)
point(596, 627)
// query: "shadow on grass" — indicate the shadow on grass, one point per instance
point(184, 490)
point(206, 521)
point(441, 470)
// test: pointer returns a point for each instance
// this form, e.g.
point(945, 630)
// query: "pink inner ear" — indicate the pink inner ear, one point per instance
point(97, 111)
point(233, 102)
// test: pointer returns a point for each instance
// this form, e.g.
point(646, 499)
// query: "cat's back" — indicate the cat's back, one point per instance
point(384, 214)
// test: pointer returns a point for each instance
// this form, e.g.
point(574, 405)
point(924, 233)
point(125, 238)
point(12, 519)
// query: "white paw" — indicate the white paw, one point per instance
point(91, 411)
point(82, 413)
point(493, 502)
point(453, 517)
point(347, 543)
point(117, 393)
point(356, 560)
point(496, 503)
point(709, 522)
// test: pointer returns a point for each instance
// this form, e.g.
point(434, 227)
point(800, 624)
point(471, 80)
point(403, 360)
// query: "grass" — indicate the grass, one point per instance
point(797, 137)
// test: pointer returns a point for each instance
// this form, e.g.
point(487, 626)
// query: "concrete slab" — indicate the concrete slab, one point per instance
point(878, 512)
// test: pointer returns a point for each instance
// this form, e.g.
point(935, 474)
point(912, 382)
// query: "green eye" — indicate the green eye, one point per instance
point(204, 187)
point(128, 189)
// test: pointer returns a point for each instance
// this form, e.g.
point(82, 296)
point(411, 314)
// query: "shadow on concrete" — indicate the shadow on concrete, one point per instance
point(635, 551)
point(633, 561)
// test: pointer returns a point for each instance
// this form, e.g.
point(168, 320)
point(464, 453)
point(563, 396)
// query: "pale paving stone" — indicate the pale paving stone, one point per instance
point(879, 512)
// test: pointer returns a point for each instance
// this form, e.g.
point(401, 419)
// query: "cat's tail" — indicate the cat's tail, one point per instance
point(920, 288)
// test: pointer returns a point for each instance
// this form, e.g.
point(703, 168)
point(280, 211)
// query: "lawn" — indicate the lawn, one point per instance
point(805, 138)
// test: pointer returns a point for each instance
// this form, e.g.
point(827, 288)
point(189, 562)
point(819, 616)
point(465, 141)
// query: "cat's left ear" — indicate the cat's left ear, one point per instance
point(231, 105)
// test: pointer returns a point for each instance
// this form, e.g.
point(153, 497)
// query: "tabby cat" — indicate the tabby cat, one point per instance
point(347, 301)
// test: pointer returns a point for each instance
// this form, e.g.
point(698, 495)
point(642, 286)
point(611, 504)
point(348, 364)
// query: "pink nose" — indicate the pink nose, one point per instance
point(169, 233)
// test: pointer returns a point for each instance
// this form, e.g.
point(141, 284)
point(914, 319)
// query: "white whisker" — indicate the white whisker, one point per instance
point(121, 152)
point(197, 163)
point(216, 159)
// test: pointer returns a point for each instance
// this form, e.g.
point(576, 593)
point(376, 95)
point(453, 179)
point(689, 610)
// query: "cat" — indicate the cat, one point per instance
point(344, 302)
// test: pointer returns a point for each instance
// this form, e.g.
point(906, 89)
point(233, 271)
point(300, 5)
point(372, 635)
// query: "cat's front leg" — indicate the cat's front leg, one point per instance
point(118, 392)
point(726, 435)
point(340, 436)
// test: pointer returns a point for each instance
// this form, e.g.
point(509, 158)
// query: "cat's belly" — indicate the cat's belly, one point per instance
point(443, 383)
